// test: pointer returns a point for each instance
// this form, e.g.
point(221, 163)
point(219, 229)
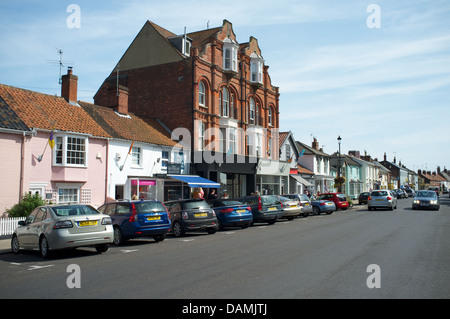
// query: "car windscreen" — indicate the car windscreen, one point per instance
point(196, 204)
point(341, 197)
point(74, 210)
point(149, 207)
point(379, 194)
point(269, 200)
point(426, 194)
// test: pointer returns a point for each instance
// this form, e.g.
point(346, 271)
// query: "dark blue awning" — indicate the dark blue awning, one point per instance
point(195, 181)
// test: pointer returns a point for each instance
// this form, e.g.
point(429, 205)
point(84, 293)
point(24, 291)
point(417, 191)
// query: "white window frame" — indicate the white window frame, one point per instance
point(252, 111)
point(201, 136)
point(75, 188)
point(136, 156)
point(225, 107)
point(61, 145)
point(230, 55)
point(202, 94)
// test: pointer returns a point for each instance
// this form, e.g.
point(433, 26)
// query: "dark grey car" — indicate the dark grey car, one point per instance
point(191, 215)
point(426, 199)
point(265, 208)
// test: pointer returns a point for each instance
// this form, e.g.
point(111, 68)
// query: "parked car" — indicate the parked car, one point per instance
point(410, 192)
point(137, 218)
point(304, 200)
point(362, 199)
point(231, 213)
point(191, 215)
point(265, 208)
point(339, 199)
point(426, 199)
point(381, 199)
point(53, 227)
point(291, 207)
point(322, 206)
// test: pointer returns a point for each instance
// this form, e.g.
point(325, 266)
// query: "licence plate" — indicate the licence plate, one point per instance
point(88, 223)
point(329, 203)
point(425, 204)
point(272, 208)
point(306, 204)
point(293, 205)
point(201, 214)
point(153, 217)
point(379, 200)
point(240, 211)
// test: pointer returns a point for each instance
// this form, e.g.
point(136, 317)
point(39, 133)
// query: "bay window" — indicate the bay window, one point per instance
point(230, 55)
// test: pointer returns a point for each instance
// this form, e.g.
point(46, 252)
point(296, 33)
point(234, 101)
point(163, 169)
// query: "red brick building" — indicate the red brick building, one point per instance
point(211, 85)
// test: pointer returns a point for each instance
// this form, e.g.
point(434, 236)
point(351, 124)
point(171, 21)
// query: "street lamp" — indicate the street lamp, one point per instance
point(339, 164)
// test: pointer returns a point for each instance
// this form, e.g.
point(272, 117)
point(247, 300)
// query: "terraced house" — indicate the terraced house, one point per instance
point(71, 151)
point(217, 89)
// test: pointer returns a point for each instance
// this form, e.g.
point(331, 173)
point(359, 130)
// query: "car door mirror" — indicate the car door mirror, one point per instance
point(21, 223)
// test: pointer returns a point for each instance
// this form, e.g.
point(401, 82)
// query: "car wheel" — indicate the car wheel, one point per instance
point(316, 210)
point(15, 246)
point(159, 238)
point(273, 221)
point(211, 231)
point(178, 230)
point(101, 248)
point(118, 236)
point(43, 247)
point(369, 208)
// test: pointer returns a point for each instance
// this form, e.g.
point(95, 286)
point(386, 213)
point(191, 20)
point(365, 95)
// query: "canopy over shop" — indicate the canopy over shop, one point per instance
point(179, 186)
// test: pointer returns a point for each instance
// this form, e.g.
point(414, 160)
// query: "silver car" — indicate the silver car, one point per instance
point(54, 227)
point(291, 207)
point(381, 199)
point(304, 201)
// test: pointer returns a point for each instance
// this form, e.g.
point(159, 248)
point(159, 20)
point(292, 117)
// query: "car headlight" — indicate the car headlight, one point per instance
point(416, 201)
point(434, 202)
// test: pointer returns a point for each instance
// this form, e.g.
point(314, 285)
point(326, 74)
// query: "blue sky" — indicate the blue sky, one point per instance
point(381, 89)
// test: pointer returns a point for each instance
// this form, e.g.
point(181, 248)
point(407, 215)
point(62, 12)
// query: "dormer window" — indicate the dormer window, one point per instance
point(182, 43)
point(256, 68)
point(230, 54)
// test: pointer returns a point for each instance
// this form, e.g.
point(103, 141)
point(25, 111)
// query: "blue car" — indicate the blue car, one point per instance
point(139, 218)
point(231, 213)
point(322, 206)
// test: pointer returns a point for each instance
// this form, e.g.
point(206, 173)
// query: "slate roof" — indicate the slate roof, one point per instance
point(9, 118)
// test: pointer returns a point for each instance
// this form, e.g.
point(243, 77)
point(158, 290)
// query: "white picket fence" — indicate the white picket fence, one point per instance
point(8, 225)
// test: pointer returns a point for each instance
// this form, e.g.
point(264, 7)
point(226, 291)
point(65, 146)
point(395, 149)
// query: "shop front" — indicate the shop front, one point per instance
point(235, 175)
point(272, 177)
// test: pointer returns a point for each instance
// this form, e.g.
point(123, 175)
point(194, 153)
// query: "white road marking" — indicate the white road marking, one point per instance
point(33, 267)
point(126, 251)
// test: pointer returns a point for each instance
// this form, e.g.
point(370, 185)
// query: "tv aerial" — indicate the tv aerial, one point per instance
point(60, 63)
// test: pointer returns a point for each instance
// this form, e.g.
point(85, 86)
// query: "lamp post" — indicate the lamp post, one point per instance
point(339, 164)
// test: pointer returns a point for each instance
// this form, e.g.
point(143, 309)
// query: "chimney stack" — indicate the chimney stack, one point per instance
point(122, 100)
point(69, 86)
point(315, 144)
point(385, 158)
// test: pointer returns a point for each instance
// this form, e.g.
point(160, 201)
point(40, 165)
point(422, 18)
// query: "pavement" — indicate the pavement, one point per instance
point(5, 244)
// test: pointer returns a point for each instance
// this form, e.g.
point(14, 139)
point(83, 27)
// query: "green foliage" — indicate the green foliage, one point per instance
point(26, 205)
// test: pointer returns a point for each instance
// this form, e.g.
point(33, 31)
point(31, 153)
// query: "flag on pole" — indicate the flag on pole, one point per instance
point(131, 147)
point(51, 140)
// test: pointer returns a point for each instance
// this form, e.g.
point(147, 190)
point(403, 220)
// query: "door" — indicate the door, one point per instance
point(36, 227)
point(23, 232)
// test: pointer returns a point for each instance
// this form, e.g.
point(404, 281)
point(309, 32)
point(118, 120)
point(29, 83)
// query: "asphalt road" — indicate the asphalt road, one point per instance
point(323, 256)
